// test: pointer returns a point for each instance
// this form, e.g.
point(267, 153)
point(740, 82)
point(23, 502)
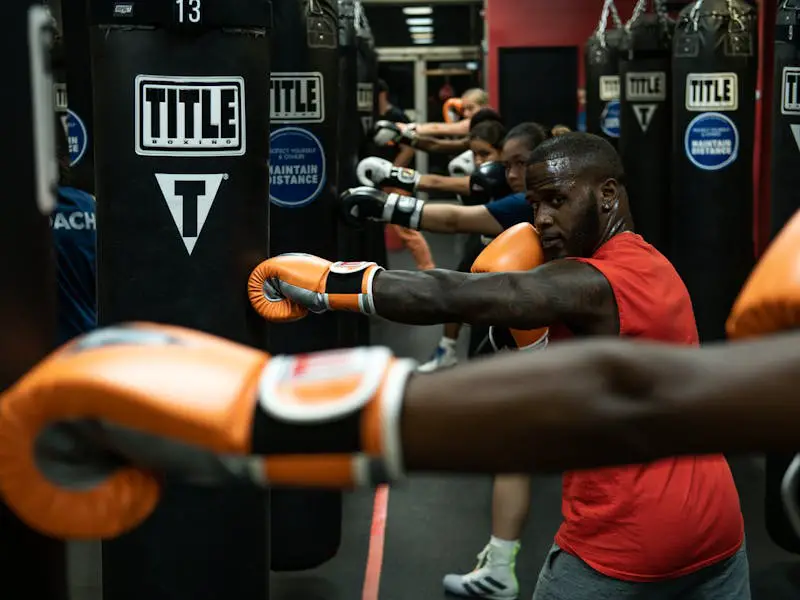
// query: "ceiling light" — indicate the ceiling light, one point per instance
point(419, 21)
point(427, 41)
point(421, 36)
point(421, 29)
point(417, 10)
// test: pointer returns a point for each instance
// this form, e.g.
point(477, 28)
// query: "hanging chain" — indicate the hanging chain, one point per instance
point(736, 17)
point(608, 8)
point(638, 11)
point(694, 14)
point(615, 15)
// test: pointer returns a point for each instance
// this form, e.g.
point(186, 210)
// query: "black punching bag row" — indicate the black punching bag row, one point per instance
point(181, 113)
point(356, 116)
point(31, 565)
point(786, 116)
point(714, 68)
point(303, 169)
point(601, 62)
point(784, 203)
point(74, 91)
point(646, 122)
point(368, 112)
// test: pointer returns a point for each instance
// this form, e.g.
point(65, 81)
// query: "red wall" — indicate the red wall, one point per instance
point(525, 23)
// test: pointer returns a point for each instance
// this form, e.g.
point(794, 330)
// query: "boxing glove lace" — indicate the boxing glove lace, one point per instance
point(368, 204)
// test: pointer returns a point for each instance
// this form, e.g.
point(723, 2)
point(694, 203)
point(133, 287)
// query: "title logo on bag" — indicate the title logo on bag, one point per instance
point(364, 97)
point(609, 87)
point(189, 198)
point(190, 116)
point(712, 92)
point(790, 103)
point(296, 98)
point(646, 87)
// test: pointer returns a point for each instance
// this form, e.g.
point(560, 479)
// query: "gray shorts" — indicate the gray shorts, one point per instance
point(565, 577)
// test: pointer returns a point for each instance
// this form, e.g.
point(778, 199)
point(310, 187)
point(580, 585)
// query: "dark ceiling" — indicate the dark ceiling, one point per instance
point(453, 25)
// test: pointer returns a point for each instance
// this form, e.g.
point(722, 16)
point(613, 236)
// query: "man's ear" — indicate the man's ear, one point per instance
point(609, 192)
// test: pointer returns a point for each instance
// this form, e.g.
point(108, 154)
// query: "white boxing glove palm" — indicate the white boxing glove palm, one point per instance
point(373, 171)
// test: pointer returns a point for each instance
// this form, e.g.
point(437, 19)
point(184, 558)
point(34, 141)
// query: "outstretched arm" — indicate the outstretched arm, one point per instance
point(602, 403)
point(441, 183)
point(435, 145)
point(565, 291)
point(459, 128)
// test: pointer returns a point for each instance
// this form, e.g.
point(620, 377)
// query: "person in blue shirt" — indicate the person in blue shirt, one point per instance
point(489, 220)
point(75, 240)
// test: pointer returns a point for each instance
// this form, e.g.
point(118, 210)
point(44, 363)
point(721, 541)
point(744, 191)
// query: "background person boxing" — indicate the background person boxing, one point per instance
point(484, 139)
point(488, 219)
point(618, 536)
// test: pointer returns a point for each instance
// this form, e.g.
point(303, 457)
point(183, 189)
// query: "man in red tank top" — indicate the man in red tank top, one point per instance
point(669, 529)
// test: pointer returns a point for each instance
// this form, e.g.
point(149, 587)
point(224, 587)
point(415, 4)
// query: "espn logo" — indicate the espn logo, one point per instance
point(190, 116)
point(296, 98)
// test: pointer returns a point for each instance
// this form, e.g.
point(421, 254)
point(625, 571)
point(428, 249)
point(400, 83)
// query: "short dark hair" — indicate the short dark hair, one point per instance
point(485, 114)
point(533, 133)
point(593, 156)
point(491, 132)
point(383, 86)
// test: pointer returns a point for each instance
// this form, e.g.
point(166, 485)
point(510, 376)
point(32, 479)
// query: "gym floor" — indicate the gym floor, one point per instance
point(437, 525)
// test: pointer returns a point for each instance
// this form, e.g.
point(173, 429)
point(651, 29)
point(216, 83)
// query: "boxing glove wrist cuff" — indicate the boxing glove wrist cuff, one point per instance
point(349, 286)
point(344, 410)
point(405, 211)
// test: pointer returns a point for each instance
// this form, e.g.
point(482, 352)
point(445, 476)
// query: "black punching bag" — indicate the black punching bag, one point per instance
point(181, 113)
point(786, 116)
point(714, 72)
point(785, 202)
point(31, 565)
point(368, 111)
point(601, 61)
point(75, 83)
point(306, 524)
point(646, 116)
point(352, 240)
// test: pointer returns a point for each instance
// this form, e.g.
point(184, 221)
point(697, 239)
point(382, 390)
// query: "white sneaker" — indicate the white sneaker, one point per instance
point(444, 356)
point(493, 577)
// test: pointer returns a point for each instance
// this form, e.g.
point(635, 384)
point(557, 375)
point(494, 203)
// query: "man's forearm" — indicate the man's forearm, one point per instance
point(441, 296)
point(603, 403)
point(440, 217)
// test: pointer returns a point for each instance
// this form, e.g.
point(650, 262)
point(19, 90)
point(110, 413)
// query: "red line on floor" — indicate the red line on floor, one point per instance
point(377, 535)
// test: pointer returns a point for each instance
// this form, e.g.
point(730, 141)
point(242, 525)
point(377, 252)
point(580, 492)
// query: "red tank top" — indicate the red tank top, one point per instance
point(664, 519)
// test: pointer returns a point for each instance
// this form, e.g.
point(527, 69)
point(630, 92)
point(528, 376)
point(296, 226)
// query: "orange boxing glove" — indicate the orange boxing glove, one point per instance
point(452, 110)
point(516, 249)
point(86, 434)
point(770, 299)
point(286, 287)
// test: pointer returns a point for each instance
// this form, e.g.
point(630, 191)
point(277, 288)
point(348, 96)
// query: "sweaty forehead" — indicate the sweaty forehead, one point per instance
point(551, 172)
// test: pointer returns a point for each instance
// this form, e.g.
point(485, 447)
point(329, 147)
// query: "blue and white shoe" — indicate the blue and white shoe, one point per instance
point(444, 356)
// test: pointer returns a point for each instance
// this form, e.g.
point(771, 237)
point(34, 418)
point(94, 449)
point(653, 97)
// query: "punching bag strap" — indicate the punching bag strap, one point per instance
point(639, 9)
point(609, 8)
